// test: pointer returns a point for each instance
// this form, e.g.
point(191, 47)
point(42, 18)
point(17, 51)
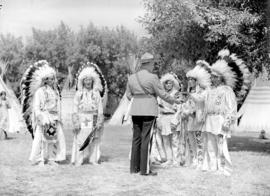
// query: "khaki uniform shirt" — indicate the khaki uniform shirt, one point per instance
point(145, 104)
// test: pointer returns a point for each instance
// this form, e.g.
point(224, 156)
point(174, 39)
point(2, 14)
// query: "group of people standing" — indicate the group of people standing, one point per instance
point(41, 101)
point(176, 128)
point(171, 127)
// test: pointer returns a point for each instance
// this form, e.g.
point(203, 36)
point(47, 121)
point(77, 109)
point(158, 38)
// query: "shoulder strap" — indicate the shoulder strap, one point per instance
point(145, 91)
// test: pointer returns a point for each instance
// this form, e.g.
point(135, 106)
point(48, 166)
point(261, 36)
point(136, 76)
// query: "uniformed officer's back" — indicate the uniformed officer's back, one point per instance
point(146, 79)
point(144, 93)
point(143, 88)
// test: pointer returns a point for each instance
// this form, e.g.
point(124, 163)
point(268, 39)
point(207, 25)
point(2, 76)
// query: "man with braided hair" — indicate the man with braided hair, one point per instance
point(189, 118)
point(88, 113)
point(45, 113)
point(228, 78)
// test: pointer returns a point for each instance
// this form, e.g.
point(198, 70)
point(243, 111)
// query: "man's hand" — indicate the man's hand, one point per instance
point(40, 120)
point(99, 125)
point(177, 101)
point(177, 95)
point(225, 128)
point(173, 127)
point(76, 131)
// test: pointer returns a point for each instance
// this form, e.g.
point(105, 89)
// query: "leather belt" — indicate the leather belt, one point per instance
point(167, 113)
point(88, 112)
point(143, 96)
point(53, 112)
point(214, 113)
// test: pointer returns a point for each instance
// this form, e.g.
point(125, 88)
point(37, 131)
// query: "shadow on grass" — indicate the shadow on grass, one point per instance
point(104, 158)
point(247, 143)
point(10, 138)
point(85, 161)
point(67, 161)
point(6, 139)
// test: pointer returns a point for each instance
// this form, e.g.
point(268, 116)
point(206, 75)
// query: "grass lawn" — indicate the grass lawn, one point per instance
point(250, 156)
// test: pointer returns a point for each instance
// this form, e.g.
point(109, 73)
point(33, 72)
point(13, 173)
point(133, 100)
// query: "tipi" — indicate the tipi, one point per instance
point(15, 114)
point(255, 110)
point(121, 116)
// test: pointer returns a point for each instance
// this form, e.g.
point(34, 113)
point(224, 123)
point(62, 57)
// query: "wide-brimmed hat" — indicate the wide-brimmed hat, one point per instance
point(147, 58)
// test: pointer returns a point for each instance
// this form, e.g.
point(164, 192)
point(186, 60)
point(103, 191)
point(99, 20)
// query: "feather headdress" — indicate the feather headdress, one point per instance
point(91, 70)
point(233, 70)
point(202, 73)
point(32, 79)
point(172, 77)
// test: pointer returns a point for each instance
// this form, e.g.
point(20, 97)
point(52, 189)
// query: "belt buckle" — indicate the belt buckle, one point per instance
point(53, 112)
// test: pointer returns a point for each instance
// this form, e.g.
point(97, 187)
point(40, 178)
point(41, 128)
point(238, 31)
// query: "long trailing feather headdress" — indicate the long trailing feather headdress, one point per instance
point(233, 70)
point(91, 70)
point(32, 79)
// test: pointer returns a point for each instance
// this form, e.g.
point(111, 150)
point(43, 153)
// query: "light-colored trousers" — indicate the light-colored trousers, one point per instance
point(163, 151)
point(175, 139)
point(91, 152)
point(42, 149)
point(194, 148)
point(190, 154)
point(158, 151)
point(216, 155)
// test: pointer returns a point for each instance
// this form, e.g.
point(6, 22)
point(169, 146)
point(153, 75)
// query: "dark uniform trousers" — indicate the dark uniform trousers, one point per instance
point(143, 88)
point(141, 144)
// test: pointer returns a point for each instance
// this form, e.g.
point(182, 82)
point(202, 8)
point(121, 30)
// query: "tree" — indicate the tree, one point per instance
point(11, 53)
point(241, 26)
point(196, 29)
point(108, 48)
point(66, 50)
point(53, 45)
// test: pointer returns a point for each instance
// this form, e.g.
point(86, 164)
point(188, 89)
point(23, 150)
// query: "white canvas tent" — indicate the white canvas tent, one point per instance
point(121, 114)
point(17, 123)
point(255, 111)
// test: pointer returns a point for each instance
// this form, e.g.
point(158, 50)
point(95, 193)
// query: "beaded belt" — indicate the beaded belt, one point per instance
point(167, 113)
point(88, 112)
point(143, 95)
point(53, 112)
point(214, 113)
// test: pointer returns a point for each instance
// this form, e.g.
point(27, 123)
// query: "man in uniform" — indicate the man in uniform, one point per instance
point(143, 88)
